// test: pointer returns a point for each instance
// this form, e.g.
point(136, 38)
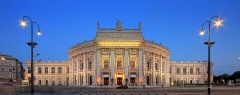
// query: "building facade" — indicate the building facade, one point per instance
point(118, 56)
point(12, 71)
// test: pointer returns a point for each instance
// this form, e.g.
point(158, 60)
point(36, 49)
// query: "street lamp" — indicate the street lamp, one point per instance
point(112, 81)
point(23, 23)
point(218, 23)
point(126, 81)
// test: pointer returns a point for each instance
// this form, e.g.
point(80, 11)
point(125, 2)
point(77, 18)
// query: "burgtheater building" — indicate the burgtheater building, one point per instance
point(118, 56)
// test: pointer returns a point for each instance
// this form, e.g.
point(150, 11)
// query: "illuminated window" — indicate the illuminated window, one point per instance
point(90, 65)
point(147, 65)
point(106, 64)
point(119, 64)
point(132, 64)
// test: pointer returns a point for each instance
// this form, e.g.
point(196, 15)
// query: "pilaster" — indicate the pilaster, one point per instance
point(154, 69)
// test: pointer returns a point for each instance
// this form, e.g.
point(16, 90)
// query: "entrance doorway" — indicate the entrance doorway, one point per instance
point(106, 81)
point(119, 81)
point(132, 80)
point(90, 80)
point(148, 80)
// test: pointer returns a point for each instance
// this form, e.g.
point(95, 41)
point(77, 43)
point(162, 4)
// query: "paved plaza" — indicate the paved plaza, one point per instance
point(10, 90)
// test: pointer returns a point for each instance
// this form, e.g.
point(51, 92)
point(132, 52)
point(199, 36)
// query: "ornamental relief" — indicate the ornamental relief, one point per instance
point(119, 36)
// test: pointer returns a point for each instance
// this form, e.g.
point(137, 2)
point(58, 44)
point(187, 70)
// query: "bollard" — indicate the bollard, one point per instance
point(165, 93)
point(122, 93)
point(80, 93)
point(184, 90)
point(22, 89)
point(148, 93)
point(114, 94)
point(157, 93)
point(97, 93)
point(106, 94)
point(89, 93)
point(139, 93)
point(131, 93)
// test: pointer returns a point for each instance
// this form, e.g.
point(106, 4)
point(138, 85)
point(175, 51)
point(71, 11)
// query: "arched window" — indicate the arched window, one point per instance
point(191, 70)
point(106, 64)
point(184, 71)
point(39, 70)
point(197, 71)
point(67, 69)
point(156, 66)
point(75, 66)
point(53, 70)
point(178, 70)
point(46, 82)
point(46, 70)
point(59, 70)
point(81, 65)
point(90, 65)
point(170, 70)
point(119, 64)
point(132, 64)
point(29, 70)
point(148, 65)
point(39, 82)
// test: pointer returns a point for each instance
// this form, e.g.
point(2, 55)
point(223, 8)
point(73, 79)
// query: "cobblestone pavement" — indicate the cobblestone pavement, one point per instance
point(9, 90)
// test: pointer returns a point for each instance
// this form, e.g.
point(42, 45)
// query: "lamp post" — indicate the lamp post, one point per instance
point(209, 44)
point(112, 81)
point(32, 45)
point(126, 81)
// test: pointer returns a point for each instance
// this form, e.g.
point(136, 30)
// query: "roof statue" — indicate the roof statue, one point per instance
point(119, 25)
point(98, 26)
point(140, 26)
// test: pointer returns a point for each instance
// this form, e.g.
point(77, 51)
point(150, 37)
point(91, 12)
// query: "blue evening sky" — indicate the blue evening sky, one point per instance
point(174, 23)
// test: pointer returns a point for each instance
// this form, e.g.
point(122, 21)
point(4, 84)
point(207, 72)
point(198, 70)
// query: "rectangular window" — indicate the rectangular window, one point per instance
point(10, 70)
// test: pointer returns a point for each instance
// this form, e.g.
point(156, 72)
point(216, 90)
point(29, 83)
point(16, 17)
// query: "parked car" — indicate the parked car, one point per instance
point(122, 87)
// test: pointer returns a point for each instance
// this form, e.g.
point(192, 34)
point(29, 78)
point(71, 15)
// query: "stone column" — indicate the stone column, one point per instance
point(98, 62)
point(112, 60)
point(154, 70)
point(84, 69)
point(71, 80)
point(126, 60)
point(140, 66)
point(144, 69)
point(161, 70)
point(77, 70)
point(94, 69)
point(194, 70)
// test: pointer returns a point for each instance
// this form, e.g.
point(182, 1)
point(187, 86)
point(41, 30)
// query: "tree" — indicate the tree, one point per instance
point(235, 75)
